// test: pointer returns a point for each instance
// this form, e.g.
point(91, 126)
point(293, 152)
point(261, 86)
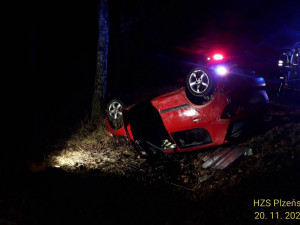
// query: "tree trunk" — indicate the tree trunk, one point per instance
point(102, 53)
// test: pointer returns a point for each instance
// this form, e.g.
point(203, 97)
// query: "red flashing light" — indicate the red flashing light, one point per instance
point(218, 57)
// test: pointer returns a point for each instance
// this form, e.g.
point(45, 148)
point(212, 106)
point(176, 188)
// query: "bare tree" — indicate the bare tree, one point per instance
point(102, 53)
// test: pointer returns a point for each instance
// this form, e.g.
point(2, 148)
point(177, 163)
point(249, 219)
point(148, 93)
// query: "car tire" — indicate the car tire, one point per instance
point(114, 113)
point(200, 82)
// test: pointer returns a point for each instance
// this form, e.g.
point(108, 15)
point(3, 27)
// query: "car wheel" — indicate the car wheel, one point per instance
point(115, 114)
point(200, 82)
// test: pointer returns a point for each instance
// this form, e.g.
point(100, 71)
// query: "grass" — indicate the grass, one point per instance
point(91, 149)
point(276, 146)
point(97, 179)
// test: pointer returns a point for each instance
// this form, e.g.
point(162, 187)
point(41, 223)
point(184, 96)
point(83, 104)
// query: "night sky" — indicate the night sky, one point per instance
point(151, 43)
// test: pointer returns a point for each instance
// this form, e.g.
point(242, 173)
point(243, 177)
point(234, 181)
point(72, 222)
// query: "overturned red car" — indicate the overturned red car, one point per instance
point(213, 108)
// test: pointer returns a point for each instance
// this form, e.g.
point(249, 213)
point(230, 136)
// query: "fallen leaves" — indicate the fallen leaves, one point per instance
point(273, 150)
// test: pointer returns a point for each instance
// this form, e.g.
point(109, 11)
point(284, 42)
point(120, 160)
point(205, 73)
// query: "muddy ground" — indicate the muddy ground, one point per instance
point(93, 178)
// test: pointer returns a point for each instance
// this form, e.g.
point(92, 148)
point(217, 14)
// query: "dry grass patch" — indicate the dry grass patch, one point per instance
point(86, 151)
point(276, 148)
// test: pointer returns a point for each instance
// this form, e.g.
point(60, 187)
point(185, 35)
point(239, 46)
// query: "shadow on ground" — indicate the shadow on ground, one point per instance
point(167, 192)
point(58, 197)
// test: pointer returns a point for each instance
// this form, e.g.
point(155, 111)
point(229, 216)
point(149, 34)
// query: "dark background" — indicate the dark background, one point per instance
point(151, 44)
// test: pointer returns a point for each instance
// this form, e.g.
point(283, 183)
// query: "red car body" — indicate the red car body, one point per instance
point(185, 125)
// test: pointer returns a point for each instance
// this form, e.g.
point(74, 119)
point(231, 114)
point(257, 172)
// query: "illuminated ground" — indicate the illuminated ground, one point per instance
point(97, 179)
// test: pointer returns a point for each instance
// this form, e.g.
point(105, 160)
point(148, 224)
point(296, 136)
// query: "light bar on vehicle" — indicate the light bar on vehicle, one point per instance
point(218, 57)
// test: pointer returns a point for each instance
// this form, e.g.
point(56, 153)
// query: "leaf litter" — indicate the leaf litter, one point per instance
point(275, 147)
